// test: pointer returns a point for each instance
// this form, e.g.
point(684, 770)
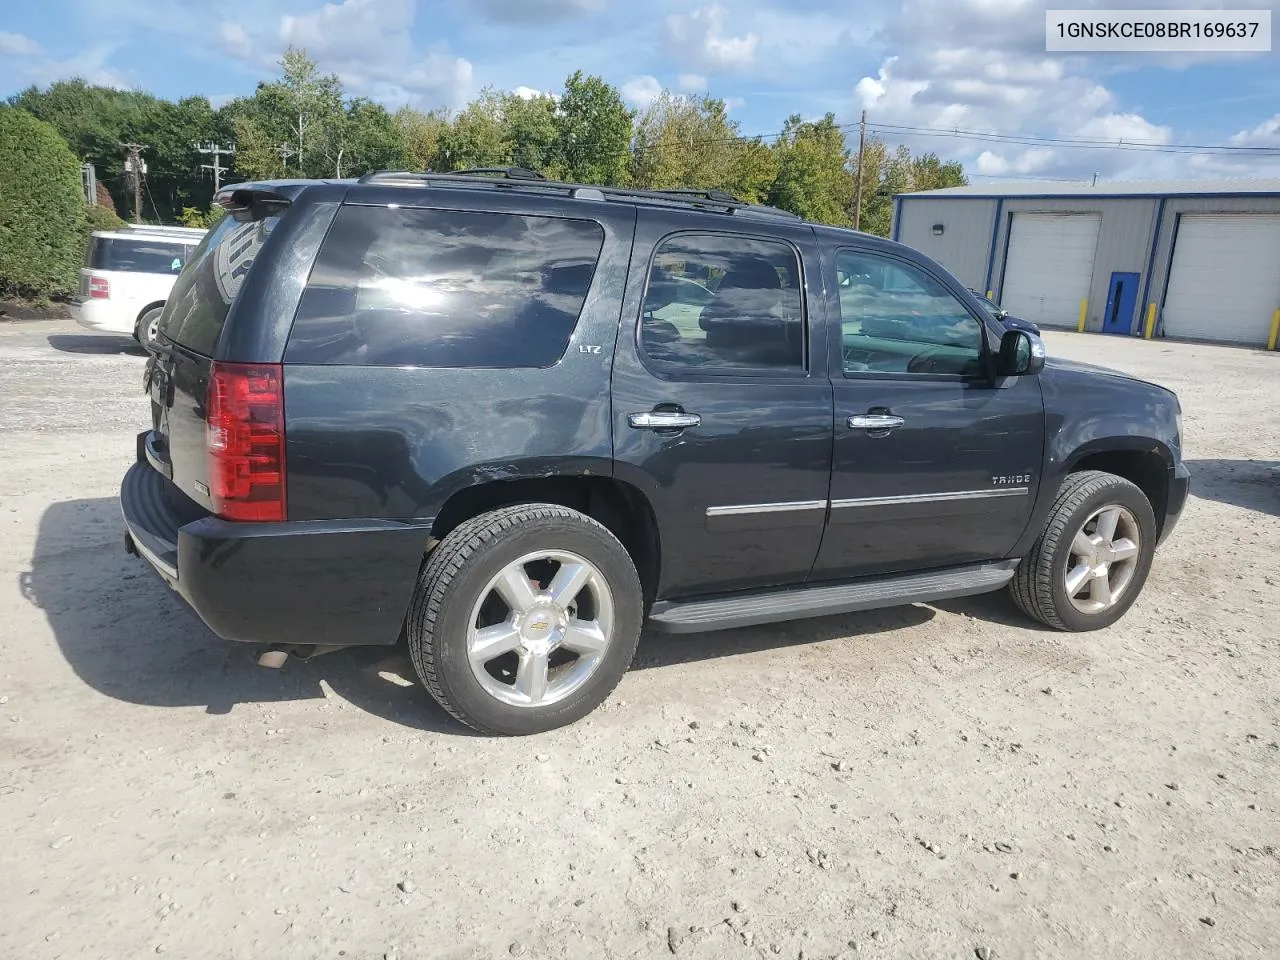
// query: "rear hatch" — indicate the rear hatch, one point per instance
point(217, 428)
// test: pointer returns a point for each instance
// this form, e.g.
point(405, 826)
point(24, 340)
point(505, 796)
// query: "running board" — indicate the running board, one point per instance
point(796, 603)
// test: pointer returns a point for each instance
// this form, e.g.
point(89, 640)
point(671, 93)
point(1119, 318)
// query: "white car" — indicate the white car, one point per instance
point(127, 276)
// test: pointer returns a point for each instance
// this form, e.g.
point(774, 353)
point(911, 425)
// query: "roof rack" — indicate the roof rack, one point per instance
point(520, 178)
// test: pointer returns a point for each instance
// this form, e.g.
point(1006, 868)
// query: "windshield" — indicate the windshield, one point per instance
point(144, 255)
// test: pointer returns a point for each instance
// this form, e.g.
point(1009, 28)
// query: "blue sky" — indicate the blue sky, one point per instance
point(972, 65)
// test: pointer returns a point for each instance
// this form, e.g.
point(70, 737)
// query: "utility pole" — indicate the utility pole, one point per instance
point(286, 151)
point(216, 167)
point(135, 166)
point(862, 145)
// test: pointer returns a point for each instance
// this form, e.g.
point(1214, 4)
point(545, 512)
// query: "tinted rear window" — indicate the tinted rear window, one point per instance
point(445, 288)
point(202, 296)
point(137, 256)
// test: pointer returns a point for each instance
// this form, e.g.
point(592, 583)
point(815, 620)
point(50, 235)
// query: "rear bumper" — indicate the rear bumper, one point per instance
point(103, 315)
point(339, 582)
point(1179, 490)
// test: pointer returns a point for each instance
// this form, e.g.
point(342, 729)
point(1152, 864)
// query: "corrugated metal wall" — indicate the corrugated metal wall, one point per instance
point(966, 234)
point(1124, 242)
point(972, 226)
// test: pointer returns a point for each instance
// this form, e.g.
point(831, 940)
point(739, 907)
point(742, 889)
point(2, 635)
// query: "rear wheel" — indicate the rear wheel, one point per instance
point(148, 324)
point(1090, 563)
point(525, 619)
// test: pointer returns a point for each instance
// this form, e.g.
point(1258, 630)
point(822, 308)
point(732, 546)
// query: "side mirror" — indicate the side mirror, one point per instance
point(1021, 354)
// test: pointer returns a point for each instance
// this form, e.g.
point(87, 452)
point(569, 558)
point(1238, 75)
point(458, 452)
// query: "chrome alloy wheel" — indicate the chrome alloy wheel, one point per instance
point(540, 628)
point(1104, 558)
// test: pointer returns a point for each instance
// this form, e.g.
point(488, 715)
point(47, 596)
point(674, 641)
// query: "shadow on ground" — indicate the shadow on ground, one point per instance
point(1252, 484)
point(128, 636)
point(99, 344)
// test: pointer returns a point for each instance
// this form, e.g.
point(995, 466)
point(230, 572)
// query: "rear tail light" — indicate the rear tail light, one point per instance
point(99, 288)
point(244, 431)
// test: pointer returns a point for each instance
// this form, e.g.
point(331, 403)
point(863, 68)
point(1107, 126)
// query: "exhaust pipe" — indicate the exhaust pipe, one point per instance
point(275, 657)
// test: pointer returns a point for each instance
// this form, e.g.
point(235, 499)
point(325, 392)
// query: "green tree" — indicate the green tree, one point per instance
point(421, 135)
point(42, 209)
point(477, 137)
point(593, 128)
point(365, 138)
point(754, 170)
point(814, 179)
point(930, 173)
point(687, 142)
point(259, 155)
point(529, 129)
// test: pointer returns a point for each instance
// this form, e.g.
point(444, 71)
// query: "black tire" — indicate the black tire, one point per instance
point(451, 584)
point(1039, 585)
point(144, 322)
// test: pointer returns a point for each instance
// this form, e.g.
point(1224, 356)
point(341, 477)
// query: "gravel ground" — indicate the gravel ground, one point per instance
point(930, 781)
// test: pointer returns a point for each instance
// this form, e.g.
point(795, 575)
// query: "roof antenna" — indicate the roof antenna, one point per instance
point(1095, 178)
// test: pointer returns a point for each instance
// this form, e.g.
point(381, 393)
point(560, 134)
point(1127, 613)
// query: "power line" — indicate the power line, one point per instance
point(146, 185)
point(1078, 142)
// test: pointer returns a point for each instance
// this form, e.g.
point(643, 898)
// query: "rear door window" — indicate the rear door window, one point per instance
point(445, 288)
point(724, 306)
point(202, 296)
point(143, 255)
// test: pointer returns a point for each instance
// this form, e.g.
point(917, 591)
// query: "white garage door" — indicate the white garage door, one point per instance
point(1049, 266)
point(1225, 280)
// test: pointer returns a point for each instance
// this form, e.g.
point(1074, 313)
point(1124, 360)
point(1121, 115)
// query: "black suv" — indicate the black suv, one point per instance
point(511, 419)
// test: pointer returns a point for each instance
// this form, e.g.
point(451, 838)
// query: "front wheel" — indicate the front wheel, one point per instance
point(525, 619)
point(1090, 563)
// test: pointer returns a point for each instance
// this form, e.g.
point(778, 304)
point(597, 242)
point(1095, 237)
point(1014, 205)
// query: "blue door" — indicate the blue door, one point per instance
point(1121, 299)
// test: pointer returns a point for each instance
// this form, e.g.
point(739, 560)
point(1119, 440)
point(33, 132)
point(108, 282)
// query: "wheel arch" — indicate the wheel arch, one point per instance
point(1146, 468)
point(150, 306)
point(620, 507)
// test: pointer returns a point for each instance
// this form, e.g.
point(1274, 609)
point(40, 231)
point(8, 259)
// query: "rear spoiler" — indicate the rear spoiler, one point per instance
point(246, 203)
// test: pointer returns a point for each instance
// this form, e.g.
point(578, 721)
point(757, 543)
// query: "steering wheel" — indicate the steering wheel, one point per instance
point(930, 361)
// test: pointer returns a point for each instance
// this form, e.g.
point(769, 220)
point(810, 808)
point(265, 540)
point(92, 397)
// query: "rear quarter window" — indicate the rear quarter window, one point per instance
point(197, 308)
point(445, 288)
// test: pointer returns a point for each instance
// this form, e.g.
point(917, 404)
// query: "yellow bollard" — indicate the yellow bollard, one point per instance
point(1084, 312)
point(1151, 322)
point(1275, 330)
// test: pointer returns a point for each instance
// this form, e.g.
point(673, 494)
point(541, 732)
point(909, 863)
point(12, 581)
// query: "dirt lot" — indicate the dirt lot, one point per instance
point(920, 782)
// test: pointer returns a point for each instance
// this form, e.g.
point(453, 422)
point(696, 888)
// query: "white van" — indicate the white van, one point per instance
point(127, 276)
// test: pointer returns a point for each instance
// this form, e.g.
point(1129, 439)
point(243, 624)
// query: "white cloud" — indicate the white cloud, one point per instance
point(530, 93)
point(18, 45)
point(91, 65)
point(235, 40)
point(979, 66)
point(733, 103)
point(641, 91)
point(692, 82)
point(699, 39)
point(368, 44)
point(1265, 134)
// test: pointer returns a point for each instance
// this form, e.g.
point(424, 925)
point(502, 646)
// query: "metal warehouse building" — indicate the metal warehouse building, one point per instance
point(1196, 259)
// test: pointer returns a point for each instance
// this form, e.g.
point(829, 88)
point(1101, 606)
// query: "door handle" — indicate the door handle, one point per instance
point(663, 420)
point(875, 421)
